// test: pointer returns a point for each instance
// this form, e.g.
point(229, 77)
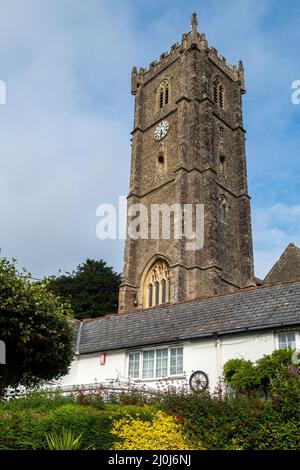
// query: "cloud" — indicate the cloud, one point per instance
point(65, 130)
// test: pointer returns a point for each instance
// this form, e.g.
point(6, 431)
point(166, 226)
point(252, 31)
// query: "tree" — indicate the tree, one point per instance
point(92, 289)
point(36, 327)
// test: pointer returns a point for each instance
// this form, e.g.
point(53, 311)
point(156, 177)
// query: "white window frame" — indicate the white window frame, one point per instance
point(139, 369)
point(170, 349)
point(297, 338)
point(155, 378)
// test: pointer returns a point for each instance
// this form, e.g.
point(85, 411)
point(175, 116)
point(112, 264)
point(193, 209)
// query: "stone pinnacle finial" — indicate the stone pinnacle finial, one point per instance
point(194, 23)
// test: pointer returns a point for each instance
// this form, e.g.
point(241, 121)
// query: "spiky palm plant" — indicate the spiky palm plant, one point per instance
point(65, 441)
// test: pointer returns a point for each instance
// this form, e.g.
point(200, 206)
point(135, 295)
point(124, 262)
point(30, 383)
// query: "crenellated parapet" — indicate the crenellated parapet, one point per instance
point(190, 40)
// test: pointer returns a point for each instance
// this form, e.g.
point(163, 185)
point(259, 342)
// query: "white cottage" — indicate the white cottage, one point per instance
point(172, 342)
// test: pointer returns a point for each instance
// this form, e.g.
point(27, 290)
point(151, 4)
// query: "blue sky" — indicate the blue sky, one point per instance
point(65, 130)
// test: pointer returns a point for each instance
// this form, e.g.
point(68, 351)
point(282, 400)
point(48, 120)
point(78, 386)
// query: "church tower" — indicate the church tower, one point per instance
point(188, 147)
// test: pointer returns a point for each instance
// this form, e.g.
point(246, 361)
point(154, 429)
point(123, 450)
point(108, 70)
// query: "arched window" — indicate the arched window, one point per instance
point(218, 92)
point(163, 94)
point(223, 208)
point(156, 288)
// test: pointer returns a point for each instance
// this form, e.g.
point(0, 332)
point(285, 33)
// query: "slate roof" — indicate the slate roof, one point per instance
point(287, 267)
point(260, 308)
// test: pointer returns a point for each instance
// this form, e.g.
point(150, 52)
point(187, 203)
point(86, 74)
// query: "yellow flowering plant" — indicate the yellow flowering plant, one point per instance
point(162, 433)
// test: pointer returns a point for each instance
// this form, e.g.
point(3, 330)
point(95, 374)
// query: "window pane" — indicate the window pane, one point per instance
point(148, 364)
point(287, 340)
point(176, 361)
point(156, 293)
point(134, 365)
point(150, 295)
point(163, 292)
point(161, 363)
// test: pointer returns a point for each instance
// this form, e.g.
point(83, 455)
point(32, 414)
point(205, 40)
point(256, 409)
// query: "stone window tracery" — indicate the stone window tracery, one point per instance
point(163, 95)
point(156, 289)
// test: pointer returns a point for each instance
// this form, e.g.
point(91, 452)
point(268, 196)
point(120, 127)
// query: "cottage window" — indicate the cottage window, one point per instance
point(176, 361)
point(134, 365)
point(287, 340)
point(148, 364)
point(155, 363)
point(161, 369)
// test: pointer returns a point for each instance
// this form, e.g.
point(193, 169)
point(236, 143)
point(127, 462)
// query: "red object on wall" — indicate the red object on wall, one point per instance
point(103, 359)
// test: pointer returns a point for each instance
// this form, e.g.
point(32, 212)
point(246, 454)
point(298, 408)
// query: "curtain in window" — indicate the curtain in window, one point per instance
point(161, 363)
point(176, 361)
point(148, 364)
point(134, 365)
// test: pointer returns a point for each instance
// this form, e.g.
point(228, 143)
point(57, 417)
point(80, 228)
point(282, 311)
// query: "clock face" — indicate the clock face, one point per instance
point(161, 130)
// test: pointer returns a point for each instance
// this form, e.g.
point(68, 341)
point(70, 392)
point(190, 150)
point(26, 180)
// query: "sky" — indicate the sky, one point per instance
point(65, 127)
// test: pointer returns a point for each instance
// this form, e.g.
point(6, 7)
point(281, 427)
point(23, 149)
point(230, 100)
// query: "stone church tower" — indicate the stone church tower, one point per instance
point(188, 147)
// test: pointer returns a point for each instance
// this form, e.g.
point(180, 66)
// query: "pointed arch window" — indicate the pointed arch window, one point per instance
point(218, 92)
point(163, 94)
point(156, 288)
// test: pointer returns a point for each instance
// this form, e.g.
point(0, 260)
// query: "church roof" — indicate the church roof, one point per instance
point(287, 267)
point(249, 310)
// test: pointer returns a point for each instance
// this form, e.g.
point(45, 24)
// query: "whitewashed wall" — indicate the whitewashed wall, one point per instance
point(207, 355)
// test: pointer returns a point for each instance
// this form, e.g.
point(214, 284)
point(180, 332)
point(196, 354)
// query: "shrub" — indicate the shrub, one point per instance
point(38, 400)
point(25, 429)
point(100, 396)
point(162, 433)
point(231, 422)
point(246, 376)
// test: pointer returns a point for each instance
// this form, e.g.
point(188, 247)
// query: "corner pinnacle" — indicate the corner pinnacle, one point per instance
point(194, 23)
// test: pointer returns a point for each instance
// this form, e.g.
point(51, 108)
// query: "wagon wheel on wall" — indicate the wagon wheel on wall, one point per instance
point(198, 381)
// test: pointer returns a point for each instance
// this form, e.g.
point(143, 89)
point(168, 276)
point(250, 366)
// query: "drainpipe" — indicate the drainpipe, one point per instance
point(219, 356)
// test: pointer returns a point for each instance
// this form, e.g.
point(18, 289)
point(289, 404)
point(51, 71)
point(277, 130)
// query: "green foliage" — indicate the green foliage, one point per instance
point(233, 422)
point(285, 393)
point(245, 376)
point(39, 401)
point(24, 427)
point(36, 328)
point(66, 440)
point(229, 421)
point(92, 289)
